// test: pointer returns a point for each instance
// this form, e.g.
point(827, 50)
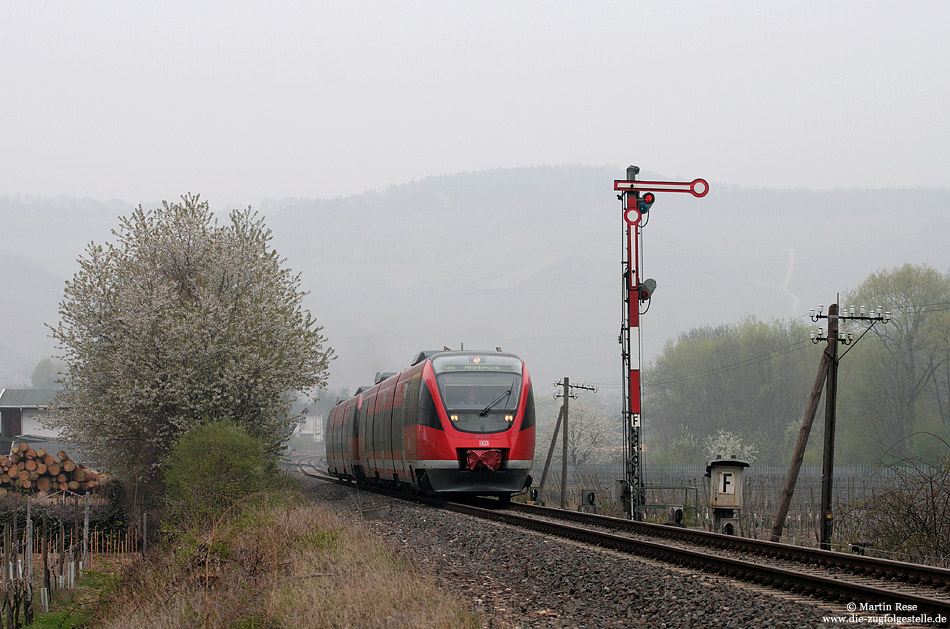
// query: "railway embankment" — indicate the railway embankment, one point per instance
point(280, 561)
point(244, 546)
point(283, 562)
point(510, 577)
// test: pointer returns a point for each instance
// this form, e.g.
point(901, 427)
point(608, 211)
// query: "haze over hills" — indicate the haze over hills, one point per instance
point(527, 259)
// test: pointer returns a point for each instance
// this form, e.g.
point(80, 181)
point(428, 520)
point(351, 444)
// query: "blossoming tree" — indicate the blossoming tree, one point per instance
point(180, 321)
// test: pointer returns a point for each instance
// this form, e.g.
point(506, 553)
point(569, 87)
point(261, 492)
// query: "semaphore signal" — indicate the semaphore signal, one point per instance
point(637, 197)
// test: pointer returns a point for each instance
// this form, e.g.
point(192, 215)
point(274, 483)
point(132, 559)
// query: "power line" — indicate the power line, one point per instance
point(794, 347)
point(748, 362)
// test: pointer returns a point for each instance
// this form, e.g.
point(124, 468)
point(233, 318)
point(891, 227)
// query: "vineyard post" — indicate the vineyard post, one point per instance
point(85, 532)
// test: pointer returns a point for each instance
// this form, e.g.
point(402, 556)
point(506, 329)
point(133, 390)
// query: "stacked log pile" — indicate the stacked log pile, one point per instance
point(41, 472)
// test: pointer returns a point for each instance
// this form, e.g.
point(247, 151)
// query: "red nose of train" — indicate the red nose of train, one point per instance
point(479, 459)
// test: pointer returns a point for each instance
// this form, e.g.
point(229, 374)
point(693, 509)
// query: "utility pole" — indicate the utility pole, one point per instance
point(636, 207)
point(564, 439)
point(828, 456)
point(562, 417)
point(827, 375)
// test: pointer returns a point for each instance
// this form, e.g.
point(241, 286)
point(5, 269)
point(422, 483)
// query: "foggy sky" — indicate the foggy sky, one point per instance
point(246, 101)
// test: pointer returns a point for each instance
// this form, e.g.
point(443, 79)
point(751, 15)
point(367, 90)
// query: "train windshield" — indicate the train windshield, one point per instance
point(480, 402)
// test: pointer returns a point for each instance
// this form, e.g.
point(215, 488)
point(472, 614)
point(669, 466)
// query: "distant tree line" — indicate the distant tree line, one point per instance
point(752, 379)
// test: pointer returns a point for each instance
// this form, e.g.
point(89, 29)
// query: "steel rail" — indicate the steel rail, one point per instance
point(857, 564)
point(782, 578)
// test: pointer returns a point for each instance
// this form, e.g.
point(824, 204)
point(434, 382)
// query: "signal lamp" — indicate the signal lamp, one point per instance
point(646, 289)
point(644, 202)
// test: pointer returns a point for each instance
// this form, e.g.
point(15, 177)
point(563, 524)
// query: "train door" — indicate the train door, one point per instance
point(351, 436)
point(399, 443)
point(369, 429)
point(330, 438)
point(380, 440)
point(366, 433)
point(343, 435)
point(390, 442)
point(339, 438)
point(405, 422)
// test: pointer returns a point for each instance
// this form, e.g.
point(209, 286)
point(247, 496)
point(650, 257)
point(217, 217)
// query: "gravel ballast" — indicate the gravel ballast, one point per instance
point(516, 578)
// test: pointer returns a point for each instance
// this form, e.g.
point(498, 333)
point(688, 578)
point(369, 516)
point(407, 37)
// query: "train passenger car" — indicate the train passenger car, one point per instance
point(454, 421)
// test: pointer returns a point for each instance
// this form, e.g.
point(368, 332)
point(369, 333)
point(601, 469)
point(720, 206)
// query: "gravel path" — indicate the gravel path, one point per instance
point(516, 578)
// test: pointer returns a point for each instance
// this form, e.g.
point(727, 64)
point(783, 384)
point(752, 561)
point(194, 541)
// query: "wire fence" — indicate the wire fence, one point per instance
point(685, 485)
point(42, 554)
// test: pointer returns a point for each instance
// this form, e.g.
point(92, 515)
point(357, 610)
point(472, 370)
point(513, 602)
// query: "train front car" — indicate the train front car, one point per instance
point(479, 434)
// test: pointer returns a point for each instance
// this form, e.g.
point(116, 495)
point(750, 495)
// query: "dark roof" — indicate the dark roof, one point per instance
point(27, 398)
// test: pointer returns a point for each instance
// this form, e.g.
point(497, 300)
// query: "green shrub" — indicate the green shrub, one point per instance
point(213, 467)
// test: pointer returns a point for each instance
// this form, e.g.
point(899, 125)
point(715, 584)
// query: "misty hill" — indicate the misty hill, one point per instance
point(527, 259)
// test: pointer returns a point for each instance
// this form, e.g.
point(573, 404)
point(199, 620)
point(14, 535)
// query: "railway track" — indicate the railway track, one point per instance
point(870, 585)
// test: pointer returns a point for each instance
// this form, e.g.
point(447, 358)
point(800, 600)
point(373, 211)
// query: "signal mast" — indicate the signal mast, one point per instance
point(636, 198)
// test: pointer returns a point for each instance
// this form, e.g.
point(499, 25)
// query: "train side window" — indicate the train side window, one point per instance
point(529, 413)
point(428, 416)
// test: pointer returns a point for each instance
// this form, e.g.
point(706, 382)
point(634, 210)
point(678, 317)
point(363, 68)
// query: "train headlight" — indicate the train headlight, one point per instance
point(509, 418)
point(454, 418)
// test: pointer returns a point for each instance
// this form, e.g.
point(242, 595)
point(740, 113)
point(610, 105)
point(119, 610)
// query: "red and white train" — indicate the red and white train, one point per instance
point(454, 421)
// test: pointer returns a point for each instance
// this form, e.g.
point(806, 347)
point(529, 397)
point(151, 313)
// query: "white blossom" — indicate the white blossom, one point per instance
point(179, 322)
point(728, 445)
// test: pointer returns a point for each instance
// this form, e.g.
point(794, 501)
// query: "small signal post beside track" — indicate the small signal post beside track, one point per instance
point(636, 198)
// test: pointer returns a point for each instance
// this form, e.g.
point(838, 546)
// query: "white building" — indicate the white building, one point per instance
point(310, 426)
point(21, 412)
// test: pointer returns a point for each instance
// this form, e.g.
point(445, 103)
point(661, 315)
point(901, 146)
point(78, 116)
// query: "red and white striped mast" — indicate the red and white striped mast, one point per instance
point(636, 198)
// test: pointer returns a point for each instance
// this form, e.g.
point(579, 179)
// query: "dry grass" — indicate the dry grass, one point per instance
point(280, 564)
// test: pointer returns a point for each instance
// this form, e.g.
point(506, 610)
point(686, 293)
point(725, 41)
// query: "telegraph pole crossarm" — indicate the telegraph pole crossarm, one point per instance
point(635, 292)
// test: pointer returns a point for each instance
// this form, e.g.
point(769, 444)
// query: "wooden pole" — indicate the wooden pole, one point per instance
point(28, 566)
point(46, 578)
point(62, 538)
point(16, 543)
point(567, 397)
point(547, 461)
point(28, 555)
point(85, 532)
point(799, 453)
point(828, 457)
point(6, 553)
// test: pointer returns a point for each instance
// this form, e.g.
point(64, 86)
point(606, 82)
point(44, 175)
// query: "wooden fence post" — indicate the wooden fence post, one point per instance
point(85, 532)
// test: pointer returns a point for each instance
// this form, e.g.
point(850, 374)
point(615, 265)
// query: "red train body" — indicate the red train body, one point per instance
point(455, 421)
